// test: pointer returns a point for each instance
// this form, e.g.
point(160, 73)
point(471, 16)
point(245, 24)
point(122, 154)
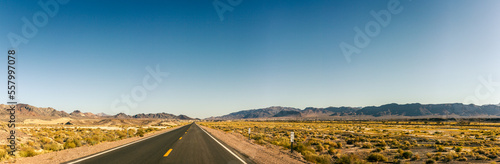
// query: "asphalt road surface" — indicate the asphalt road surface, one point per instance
point(187, 144)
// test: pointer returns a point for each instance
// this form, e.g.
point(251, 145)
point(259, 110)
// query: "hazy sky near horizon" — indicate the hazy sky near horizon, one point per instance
point(263, 53)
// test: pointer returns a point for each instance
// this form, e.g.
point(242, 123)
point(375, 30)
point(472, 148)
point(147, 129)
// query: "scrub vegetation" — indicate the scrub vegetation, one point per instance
point(347, 142)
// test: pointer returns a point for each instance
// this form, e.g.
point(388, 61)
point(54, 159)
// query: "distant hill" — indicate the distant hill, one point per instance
point(288, 114)
point(162, 116)
point(28, 111)
point(77, 113)
point(409, 110)
point(25, 110)
point(261, 113)
point(430, 109)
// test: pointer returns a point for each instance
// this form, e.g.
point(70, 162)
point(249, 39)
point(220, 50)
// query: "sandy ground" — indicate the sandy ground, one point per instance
point(71, 154)
point(47, 122)
point(259, 154)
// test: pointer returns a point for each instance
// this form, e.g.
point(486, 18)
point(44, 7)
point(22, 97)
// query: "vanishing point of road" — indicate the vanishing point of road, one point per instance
point(188, 144)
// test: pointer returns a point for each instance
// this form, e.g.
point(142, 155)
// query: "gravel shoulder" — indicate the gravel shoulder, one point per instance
point(75, 153)
point(258, 153)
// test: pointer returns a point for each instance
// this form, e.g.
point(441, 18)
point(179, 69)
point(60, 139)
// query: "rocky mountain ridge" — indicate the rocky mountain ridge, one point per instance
point(387, 110)
point(29, 111)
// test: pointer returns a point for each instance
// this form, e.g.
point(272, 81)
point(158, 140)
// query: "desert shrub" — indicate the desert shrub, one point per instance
point(348, 159)
point(378, 150)
point(376, 157)
point(77, 142)
point(324, 159)
point(462, 158)
point(52, 146)
point(140, 132)
point(480, 151)
point(260, 142)
point(257, 136)
point(400, 151)
point(45, 140)
point(440, 148)
point(350, 141)
point(313, 157)
point(3, 152)
point(492, 156)
point(407, 154)
point(430, 161)
point(416, 157)
point(367, 145)
point(333, 151)
point(458, 149)
point(310, 156)
point(481, 157)
point(69, 145)
point(320, 148)
point(121, 134)
point(131, 132)
point(299, 147)
point(381, 144)
point(91, 141)
point(448, 158)
point(27, 152)
point(59, 140)
point(339, 145)
point(332, 144)
point(314, 141)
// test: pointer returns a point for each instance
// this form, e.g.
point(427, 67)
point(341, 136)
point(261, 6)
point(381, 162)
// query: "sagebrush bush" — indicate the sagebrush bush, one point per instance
point(27, 152)
point(52, 147)
point(376, 157)
point(367, 145)
point(430, 161)
point(3, 153)
point(349, 159)
point(407, 154)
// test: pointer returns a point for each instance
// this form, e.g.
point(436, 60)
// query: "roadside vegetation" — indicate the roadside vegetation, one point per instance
point(347, 142)
point(45, 139)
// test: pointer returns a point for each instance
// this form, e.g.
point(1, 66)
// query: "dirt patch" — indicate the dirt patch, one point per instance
point(258, 153)
point(47, 122)
point(75, 153)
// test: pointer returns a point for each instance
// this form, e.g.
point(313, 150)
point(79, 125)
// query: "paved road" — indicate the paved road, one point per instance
point(187, 144)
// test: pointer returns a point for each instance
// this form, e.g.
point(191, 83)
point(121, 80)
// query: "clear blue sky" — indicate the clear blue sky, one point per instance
point(264, 53)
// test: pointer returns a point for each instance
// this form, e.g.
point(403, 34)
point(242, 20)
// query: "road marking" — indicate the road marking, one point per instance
point(222, 145)
point(180, 138)
point(168, 152)
point(95, 155)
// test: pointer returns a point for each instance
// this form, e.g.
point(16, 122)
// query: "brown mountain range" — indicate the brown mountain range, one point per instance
point(25, 111)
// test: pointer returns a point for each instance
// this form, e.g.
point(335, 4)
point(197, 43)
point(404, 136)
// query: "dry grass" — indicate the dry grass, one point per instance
point(393, 141)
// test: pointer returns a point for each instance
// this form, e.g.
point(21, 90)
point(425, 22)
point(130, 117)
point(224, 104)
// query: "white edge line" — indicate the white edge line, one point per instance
point(109, 150)
point(222, 145)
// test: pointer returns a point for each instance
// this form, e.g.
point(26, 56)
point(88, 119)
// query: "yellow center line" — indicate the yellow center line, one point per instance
point(168, 152)
point(180, 138)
